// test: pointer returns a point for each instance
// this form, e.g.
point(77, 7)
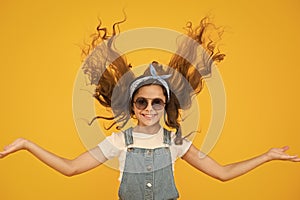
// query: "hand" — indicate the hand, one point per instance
point(279, 154)
point(17, 145)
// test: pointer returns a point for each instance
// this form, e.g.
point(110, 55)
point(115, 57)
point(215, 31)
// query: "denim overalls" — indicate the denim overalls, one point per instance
point(148, 173)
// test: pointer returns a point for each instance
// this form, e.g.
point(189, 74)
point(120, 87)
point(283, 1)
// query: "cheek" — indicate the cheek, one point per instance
point(160, 113)
point(134, 111)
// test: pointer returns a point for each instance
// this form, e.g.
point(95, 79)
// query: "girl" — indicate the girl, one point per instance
point(148, 151)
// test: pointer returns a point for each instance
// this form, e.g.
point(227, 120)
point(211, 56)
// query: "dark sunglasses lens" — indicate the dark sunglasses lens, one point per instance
point(141, 103)
point(158, 104)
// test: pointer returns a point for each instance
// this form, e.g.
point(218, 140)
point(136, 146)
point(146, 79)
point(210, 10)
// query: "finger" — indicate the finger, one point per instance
point(2, 154)
point(7, 147)
point(6, 152)
point(285, 148)
point(11, 145)
point(296, 159)
point(293, 158)
point(286, 157)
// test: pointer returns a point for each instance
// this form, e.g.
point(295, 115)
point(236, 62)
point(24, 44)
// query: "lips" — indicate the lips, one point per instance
point(149, 116)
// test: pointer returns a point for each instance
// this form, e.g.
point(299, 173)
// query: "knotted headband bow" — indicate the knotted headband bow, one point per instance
point(153, 76)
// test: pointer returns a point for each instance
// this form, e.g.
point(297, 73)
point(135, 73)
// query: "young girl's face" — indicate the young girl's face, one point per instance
point(148, 105)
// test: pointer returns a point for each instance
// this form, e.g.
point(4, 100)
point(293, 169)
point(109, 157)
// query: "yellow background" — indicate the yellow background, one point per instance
point(40, 58)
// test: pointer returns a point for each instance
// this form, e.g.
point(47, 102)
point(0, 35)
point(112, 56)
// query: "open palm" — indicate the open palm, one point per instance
point(17, 145)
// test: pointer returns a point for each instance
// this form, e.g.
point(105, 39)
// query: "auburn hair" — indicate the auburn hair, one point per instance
point(105, 68)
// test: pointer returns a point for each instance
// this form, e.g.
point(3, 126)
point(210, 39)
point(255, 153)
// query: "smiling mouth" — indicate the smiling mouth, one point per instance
point(149, 116)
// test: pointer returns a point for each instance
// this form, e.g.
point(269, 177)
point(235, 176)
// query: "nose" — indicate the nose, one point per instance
point(149, 106)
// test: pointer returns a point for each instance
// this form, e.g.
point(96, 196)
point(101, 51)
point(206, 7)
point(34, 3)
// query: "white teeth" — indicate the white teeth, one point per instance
point(149, 115)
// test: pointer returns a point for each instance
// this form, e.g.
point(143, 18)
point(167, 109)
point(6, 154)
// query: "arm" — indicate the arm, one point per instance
point(230, 171)
point(82, 163)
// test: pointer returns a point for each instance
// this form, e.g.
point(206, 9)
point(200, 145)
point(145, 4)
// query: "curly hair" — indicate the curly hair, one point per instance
point(106, 69)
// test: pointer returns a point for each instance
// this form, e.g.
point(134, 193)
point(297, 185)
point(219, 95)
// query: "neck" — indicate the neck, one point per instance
point(147, 129)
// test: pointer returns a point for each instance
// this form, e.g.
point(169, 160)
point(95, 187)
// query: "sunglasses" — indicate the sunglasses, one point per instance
point(141, 103)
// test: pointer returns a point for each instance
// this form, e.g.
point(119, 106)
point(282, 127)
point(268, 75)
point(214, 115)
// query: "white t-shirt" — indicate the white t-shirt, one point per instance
point(114, 146)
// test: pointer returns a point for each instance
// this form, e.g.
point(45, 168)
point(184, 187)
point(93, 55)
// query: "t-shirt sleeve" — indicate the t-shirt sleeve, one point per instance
point(182, 149)
point(179, 150)
point(112, 145)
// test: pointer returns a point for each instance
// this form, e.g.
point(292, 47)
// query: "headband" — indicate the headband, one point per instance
point(153, 76)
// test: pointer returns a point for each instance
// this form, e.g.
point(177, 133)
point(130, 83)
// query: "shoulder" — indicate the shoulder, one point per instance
point(179, 150)
point(117, 139)
point(112, 145)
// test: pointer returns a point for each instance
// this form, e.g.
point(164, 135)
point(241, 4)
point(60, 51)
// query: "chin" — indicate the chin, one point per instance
point(142, 123)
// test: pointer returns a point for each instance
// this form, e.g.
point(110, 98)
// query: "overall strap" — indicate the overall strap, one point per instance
point(167, 137)
point(128, 136)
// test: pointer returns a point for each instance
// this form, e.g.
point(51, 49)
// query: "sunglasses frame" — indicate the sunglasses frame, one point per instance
point(141, 106)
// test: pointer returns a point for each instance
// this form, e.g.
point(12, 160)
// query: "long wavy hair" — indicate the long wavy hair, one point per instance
point(106, 69)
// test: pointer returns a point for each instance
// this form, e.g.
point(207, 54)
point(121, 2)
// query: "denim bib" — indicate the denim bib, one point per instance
point(148, 173)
